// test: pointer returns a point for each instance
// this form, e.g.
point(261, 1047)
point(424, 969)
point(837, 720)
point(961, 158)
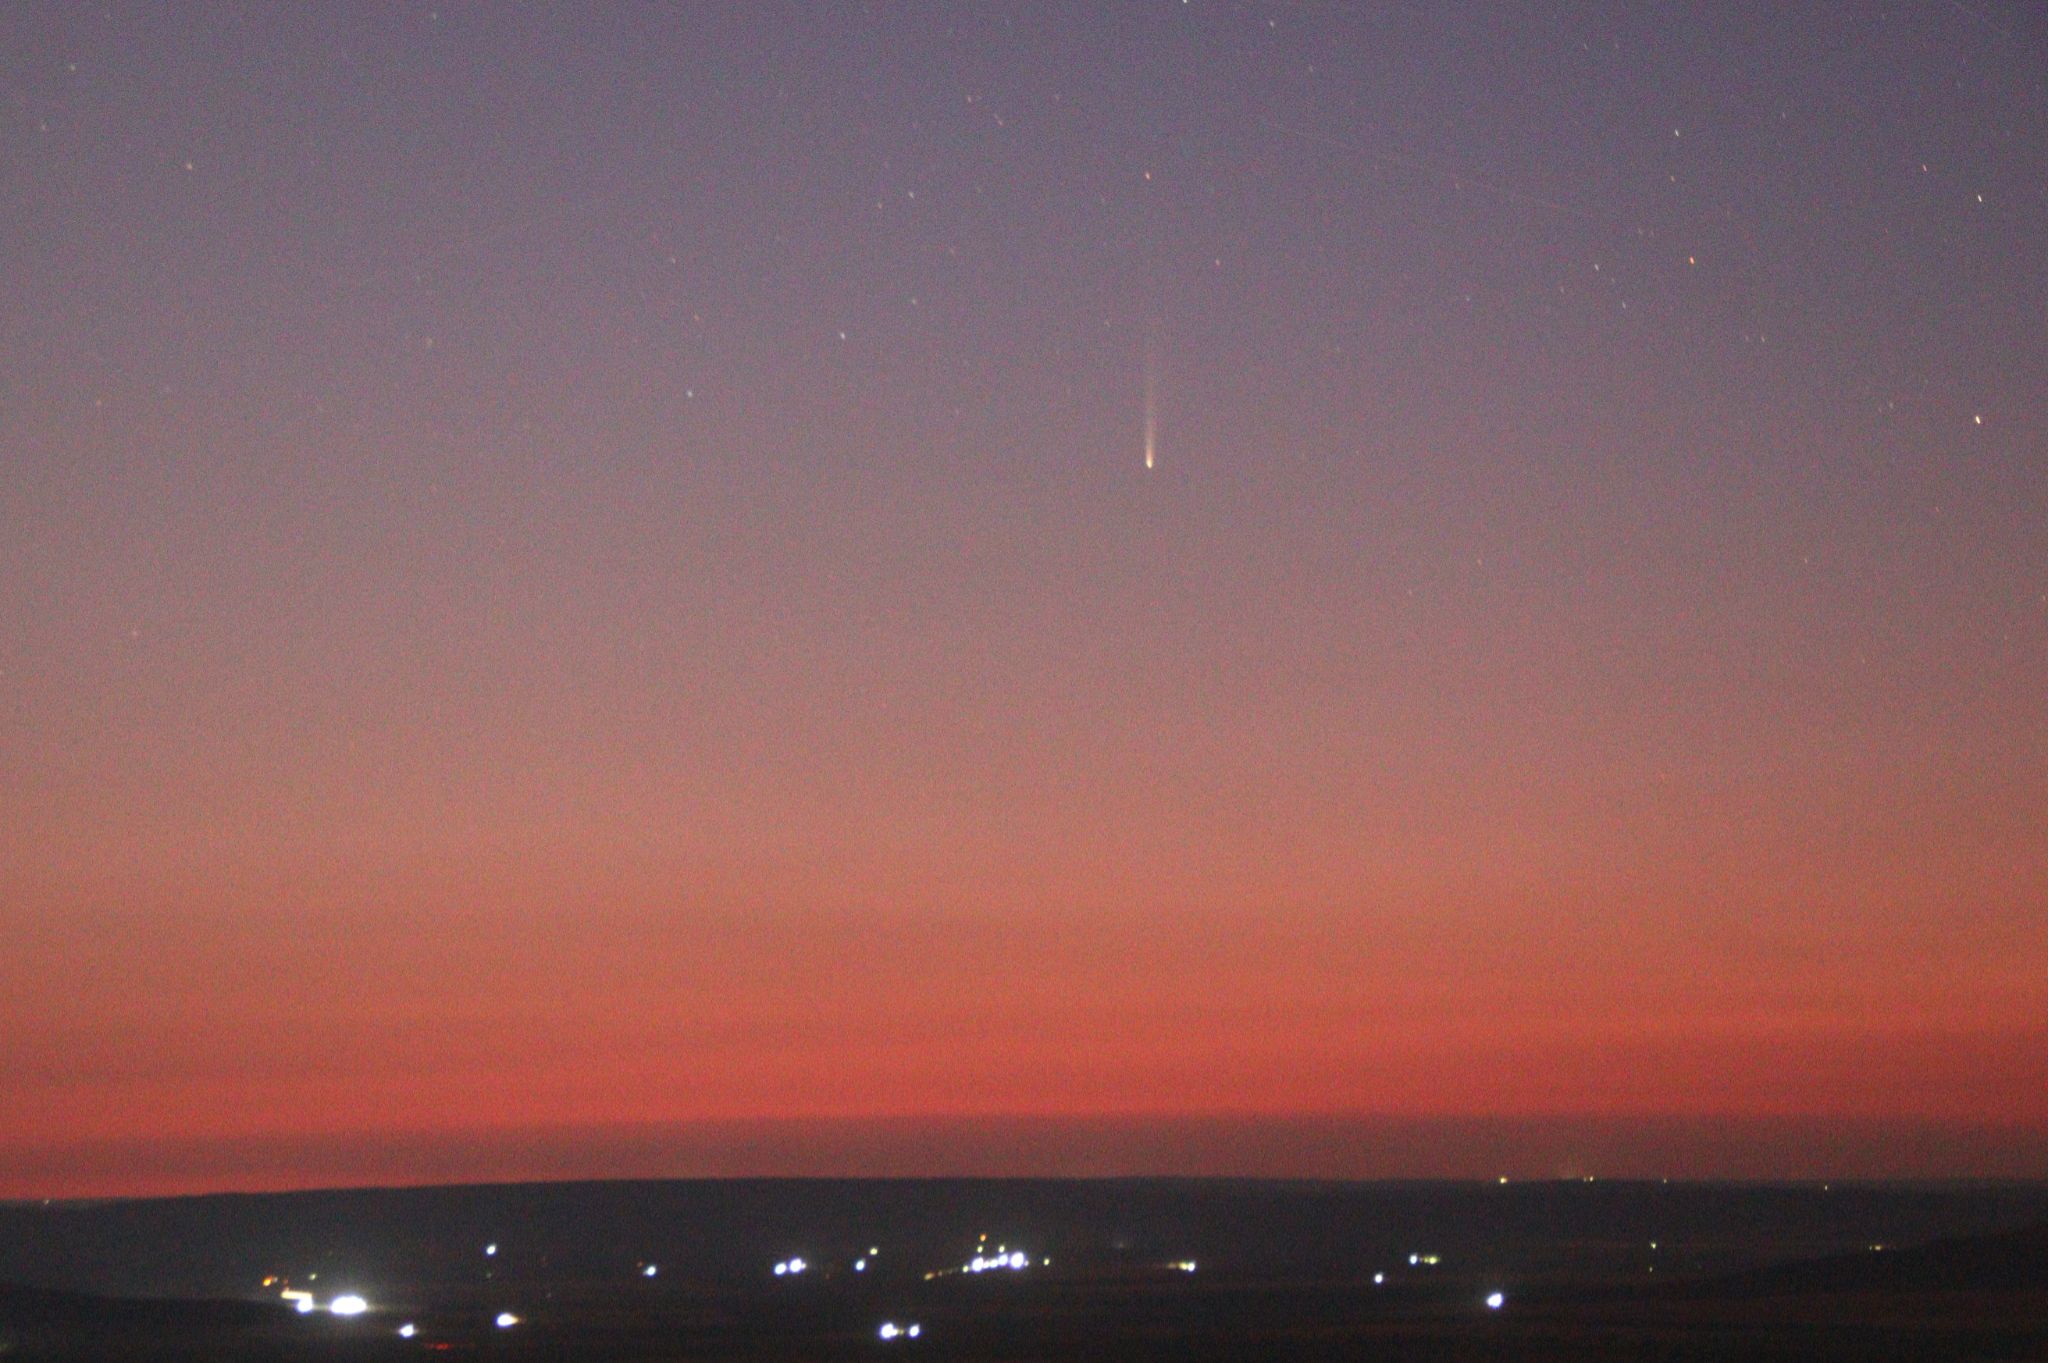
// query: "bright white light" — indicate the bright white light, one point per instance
point(506, 1320)
point(304, 1305)
point(1014, 1260)
point(1379, 1279)
point(860, 1265)
point(1186, 1265)
point(1414, 1259)
point(350, 1305)
point(407, 1330)
point(889, 1330)
point(648, 1271)
point(1496, 1300)
point(914, 1331)
point(491, 1249)
point(797, 1265)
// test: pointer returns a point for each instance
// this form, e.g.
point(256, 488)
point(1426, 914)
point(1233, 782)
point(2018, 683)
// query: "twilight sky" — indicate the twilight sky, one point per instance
point(567, 573)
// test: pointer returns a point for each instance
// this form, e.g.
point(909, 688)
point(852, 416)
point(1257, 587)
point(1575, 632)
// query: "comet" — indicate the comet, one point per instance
point(1151, 406)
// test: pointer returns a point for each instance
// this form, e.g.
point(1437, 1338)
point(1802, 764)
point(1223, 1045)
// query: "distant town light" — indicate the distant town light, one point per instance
point(304, 1306)
point(407, 1330)
point(1496, 1300)
point(490, 1249)
point(1379, 1279)
point(860, 1265)
point(506, 1320)
point(649, 1271)
point(348, 1305)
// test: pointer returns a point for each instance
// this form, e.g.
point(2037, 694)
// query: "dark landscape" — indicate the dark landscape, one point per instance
point(1113, 1269)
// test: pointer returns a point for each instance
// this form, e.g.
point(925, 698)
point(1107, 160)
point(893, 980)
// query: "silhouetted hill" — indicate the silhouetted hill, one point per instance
point(730, 1231)
point(1288, 1272)
point(2001, 1261)
point(56, 1327)
point(40, 1307)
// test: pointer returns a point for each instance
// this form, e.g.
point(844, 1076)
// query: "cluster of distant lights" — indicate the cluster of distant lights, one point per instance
point(1494, 1300)
point(504, 1320)
point(1004, 1259)
point(988, 1263)
point(350, 1304)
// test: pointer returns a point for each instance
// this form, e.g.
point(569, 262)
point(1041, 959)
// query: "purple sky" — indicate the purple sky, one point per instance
point(584, 569)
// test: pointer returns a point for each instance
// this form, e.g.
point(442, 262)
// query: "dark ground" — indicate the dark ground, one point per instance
point(1740, 1273)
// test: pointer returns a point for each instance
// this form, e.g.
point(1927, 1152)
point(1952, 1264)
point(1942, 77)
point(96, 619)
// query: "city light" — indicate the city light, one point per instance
point(506, 1320)
point(407, 1330)
point(348, 1305)
point(980, 1263)
point(891, 1330)
point(1496, 1300)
